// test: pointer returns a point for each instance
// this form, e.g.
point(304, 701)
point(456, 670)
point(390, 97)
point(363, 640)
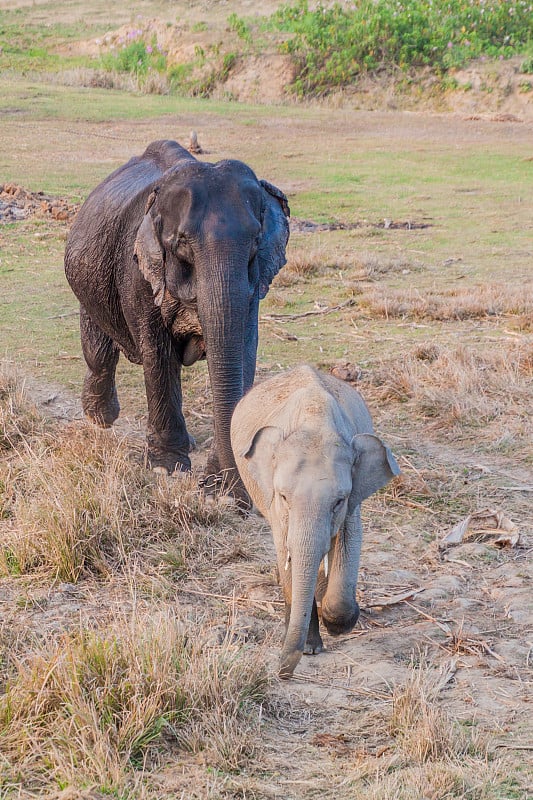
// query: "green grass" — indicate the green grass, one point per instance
point(474, 199)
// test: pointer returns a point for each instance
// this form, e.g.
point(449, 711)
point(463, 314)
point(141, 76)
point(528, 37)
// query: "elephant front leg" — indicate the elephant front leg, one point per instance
point(340, 610)
point(168, 442)
point(99, 394)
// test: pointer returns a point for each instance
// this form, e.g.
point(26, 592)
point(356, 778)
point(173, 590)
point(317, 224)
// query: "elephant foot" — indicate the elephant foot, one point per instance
point(168, 451)
point(166, 463)
point(225, 484)
point(313, 646)
point(339, 624)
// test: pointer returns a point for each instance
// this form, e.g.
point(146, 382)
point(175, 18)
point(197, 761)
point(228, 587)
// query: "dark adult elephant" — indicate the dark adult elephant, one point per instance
point(169, 257)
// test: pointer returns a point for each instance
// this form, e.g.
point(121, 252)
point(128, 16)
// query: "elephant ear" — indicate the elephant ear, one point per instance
point(148, 251)
point(259, 457)
point(372, 468)
point(274, 237)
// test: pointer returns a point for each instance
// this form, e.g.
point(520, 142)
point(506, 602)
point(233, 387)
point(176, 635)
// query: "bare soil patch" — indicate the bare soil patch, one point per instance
point(17, 203)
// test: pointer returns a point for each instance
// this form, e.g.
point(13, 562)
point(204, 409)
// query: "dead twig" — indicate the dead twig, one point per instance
point(440, 625)
point(394, 599)
point(306, 678)
point(413, 504)
point(512, 746)
point(319, 311)
point(235, 598)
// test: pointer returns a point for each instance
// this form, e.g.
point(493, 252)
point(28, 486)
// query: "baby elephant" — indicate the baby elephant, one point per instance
point(306, 452)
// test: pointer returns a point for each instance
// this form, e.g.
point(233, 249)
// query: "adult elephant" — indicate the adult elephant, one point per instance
point(169, 257)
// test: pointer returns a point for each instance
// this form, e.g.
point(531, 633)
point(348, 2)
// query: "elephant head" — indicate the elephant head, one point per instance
point(212, 238)
point(308, 474)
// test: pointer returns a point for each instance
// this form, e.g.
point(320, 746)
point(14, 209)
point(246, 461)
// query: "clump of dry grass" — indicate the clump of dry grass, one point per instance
point(475, 779)
point(372, 267)
point(300, 266)
point(420, 726)
point(462, 386)
point(363, 267)
point(459, 303)
point(79, 504)
point(19, 418)
point(91, 706)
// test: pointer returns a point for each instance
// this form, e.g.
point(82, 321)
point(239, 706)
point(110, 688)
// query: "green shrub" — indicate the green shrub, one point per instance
point(136, 57)
point(334, 44)
point(526, 67)
point(240, 27)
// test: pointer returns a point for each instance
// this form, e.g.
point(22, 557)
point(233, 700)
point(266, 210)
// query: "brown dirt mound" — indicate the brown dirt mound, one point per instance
point(17, 203)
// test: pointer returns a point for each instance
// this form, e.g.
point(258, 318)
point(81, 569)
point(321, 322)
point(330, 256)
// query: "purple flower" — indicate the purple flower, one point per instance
point(449, 45)
point(149, 49)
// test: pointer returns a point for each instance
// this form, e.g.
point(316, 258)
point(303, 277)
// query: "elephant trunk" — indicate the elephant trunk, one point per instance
point(223, 307)
point(305, 557)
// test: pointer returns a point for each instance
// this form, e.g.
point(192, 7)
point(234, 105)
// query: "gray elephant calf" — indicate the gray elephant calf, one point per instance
point(306, 452)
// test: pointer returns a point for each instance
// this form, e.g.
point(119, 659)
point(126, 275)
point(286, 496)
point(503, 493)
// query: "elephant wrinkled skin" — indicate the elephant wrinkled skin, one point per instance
point(306, 452)
point(169, 257)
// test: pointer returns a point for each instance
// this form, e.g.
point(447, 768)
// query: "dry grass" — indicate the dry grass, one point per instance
point(303, 265)
point(19, 418)
point(475, 779)
point(460, 386)
point(476, 302)
point(76, 504)
point(92, 706)
point(372, 267)
point(420, 726)
point(153, 83)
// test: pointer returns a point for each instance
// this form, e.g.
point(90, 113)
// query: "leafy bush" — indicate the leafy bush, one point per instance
point(240, 27)
point(136, 57)
point(334, 44)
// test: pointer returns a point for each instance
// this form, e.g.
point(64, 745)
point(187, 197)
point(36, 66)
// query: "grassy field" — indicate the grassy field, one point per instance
point(140, 627)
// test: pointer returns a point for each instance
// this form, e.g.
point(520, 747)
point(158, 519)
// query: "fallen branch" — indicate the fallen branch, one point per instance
point(413, 504)
point(318, 312)
point(516, 488)
point(514, 746)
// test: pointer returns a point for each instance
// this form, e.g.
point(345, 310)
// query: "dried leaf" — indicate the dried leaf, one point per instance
point(483, 524)
point(507, 540)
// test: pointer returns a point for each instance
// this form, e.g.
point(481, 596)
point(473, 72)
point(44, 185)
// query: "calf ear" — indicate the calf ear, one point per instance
point(148, 252)
point(373, 467)
point(259, 463)
point(274, 235)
